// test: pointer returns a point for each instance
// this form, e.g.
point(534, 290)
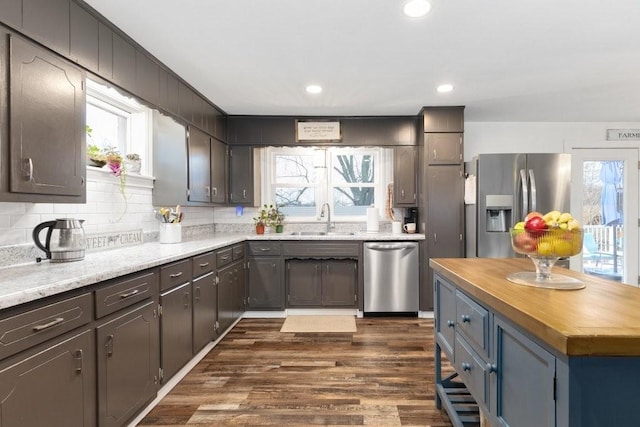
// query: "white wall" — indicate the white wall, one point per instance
point(539, 137)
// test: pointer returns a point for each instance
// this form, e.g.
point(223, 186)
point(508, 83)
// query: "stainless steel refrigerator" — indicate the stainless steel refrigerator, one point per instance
point(508, 187)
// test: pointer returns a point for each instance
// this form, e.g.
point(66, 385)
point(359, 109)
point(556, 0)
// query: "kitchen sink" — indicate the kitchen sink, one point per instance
point(322, 233)
point(341, 233)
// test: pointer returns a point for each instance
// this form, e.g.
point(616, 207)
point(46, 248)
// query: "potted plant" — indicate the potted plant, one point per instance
point(261, 220)
point(95, 156)
point(133, 163)
point(277, 219)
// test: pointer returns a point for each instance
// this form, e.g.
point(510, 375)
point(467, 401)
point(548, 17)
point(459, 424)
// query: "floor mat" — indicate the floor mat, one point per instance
point(319, 324)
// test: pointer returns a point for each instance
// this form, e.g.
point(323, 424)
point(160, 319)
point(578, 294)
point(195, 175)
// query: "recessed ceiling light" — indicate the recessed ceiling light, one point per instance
point(315, 89)
point(416, 8)
point(445, 88)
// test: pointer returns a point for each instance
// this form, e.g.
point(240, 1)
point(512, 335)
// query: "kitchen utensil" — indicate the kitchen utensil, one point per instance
point(65, 239)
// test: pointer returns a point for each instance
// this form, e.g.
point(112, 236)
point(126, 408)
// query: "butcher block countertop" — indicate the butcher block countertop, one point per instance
point(603, 319)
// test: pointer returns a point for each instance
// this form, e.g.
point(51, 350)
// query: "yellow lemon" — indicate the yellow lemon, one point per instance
point(545, 248)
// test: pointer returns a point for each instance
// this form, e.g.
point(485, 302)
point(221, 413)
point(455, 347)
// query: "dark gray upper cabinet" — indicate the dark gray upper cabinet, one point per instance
point(241, 175)
point(199, 166)
point(173, 89)
point(198, 112)
point(11, 12)
point(443, 119)
point(404, 176)
point(185, 101)
point(48, 23)
point(105, 51)
point(47, 121)
point(170, 157)
point(124, 63)
point(84, 38)
point(444, 148)
point(218, 171)
point(147, 86)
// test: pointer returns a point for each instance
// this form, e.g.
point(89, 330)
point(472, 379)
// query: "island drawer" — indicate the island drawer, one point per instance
point(224, 257)
point(264, 248)
point(203, 264)
point(40, 324)
point(472, 369)
point(175, 274)
point(473, 321)
point(125, 292)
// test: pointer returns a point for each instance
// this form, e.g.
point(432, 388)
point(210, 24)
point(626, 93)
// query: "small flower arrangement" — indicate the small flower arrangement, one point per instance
point(268, 216)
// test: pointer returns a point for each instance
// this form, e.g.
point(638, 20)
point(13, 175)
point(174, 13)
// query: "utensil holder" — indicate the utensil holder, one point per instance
point(170, 233)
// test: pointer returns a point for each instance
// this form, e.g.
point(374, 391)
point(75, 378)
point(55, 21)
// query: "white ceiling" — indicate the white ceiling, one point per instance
point(509, 60)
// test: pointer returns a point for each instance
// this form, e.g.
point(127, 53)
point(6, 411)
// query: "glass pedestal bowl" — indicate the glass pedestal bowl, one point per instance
point(545, 247)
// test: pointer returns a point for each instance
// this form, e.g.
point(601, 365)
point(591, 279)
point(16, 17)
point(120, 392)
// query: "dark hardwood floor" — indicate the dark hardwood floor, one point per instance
point(382, 375)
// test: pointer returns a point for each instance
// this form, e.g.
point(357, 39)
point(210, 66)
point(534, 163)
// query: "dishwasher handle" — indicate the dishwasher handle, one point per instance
point(390, 246)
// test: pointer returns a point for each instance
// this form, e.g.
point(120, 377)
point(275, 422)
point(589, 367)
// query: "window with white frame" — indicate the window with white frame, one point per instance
point(300, 179)
point(118, 122)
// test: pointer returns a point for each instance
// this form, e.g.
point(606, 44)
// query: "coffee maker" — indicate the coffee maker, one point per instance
point(411, 216)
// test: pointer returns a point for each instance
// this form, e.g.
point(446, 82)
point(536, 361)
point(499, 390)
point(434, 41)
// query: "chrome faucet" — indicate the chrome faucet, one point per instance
point(329, 225)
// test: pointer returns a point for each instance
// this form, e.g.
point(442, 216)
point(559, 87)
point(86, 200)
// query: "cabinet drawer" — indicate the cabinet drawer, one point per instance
point(35, 326)
point(472, 370)
point(238, 252)
point(314, 249)
point(125, 292)
point(224, 257)
point(175, 274)
point(473, 321)
point(203, 264)
point(263, 248)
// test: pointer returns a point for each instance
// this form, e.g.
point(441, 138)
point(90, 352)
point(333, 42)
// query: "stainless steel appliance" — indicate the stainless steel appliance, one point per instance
point(391, 277)
point(508, 187)
point(65, 239)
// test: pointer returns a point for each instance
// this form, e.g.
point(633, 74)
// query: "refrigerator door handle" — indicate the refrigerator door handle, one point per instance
point(534, 197)
point(525, 193)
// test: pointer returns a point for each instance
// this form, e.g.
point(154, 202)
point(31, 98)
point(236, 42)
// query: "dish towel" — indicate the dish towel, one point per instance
point(470, 190)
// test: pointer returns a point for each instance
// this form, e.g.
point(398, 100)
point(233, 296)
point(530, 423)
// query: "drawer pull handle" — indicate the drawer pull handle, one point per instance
point(466, 366)
point(492, 368)
point(130, 294)
point(224, 258)
point(176, 275)
point(186, 299)
point(466, 318)
point(451, 323)
point(109, 345)
point(265, 249)
point(48, 325)
point(204, 264)
point(78, 356)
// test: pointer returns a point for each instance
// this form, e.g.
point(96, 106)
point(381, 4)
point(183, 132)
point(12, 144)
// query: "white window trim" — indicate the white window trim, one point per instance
point(323, 190)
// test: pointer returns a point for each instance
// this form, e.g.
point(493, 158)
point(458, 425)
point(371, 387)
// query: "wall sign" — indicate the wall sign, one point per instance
point(623, 134)
point(318, 131)
point(115, 239)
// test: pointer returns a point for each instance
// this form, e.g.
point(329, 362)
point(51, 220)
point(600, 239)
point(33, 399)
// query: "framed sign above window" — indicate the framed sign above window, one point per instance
point(318, 131)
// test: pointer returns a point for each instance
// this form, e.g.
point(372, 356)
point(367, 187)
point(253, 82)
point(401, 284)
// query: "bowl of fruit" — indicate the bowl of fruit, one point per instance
point(545, 239)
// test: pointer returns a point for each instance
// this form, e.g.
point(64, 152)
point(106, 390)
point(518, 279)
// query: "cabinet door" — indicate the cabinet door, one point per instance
point(444, 217)
point(522, 388)
point(218, 171)
point(51, 385)
point(48, 23)
point(447, 119)
point(105, 51)
point(265, 284)
point(404, 177)
point(124, 63)
point(199, 166)
point(84, 37)
point(304, 280)
point(241, 175)
point(239, 290)
point(11, 12)
point(445, 316)
point(339, 281)
point(47, 123)
point(205, 310)
point(128, 363)
point(444, 148)
point(175, 330)
point(225, 297)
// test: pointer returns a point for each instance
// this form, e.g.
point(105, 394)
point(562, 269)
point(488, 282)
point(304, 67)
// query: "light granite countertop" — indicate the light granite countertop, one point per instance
point(29, 282)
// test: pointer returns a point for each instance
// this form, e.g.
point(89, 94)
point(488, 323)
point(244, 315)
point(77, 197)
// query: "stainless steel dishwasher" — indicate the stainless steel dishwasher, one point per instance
point(391, 277)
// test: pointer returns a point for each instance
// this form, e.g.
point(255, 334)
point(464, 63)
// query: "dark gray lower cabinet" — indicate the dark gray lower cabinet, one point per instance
point(128, 363)
point(176, 329)
point(205, 310)
point(265, 285)
point(51, 385)
point(325, 283)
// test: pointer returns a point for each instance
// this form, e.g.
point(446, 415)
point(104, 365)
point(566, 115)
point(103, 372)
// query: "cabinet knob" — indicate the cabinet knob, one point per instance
point(466, 366)
point(465, 318)
point(451, 323)
point(492, 368)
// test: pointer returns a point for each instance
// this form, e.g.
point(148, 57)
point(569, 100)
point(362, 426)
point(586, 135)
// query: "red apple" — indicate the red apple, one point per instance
point(525, 242)
point(535, 224)
point(532, 215)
